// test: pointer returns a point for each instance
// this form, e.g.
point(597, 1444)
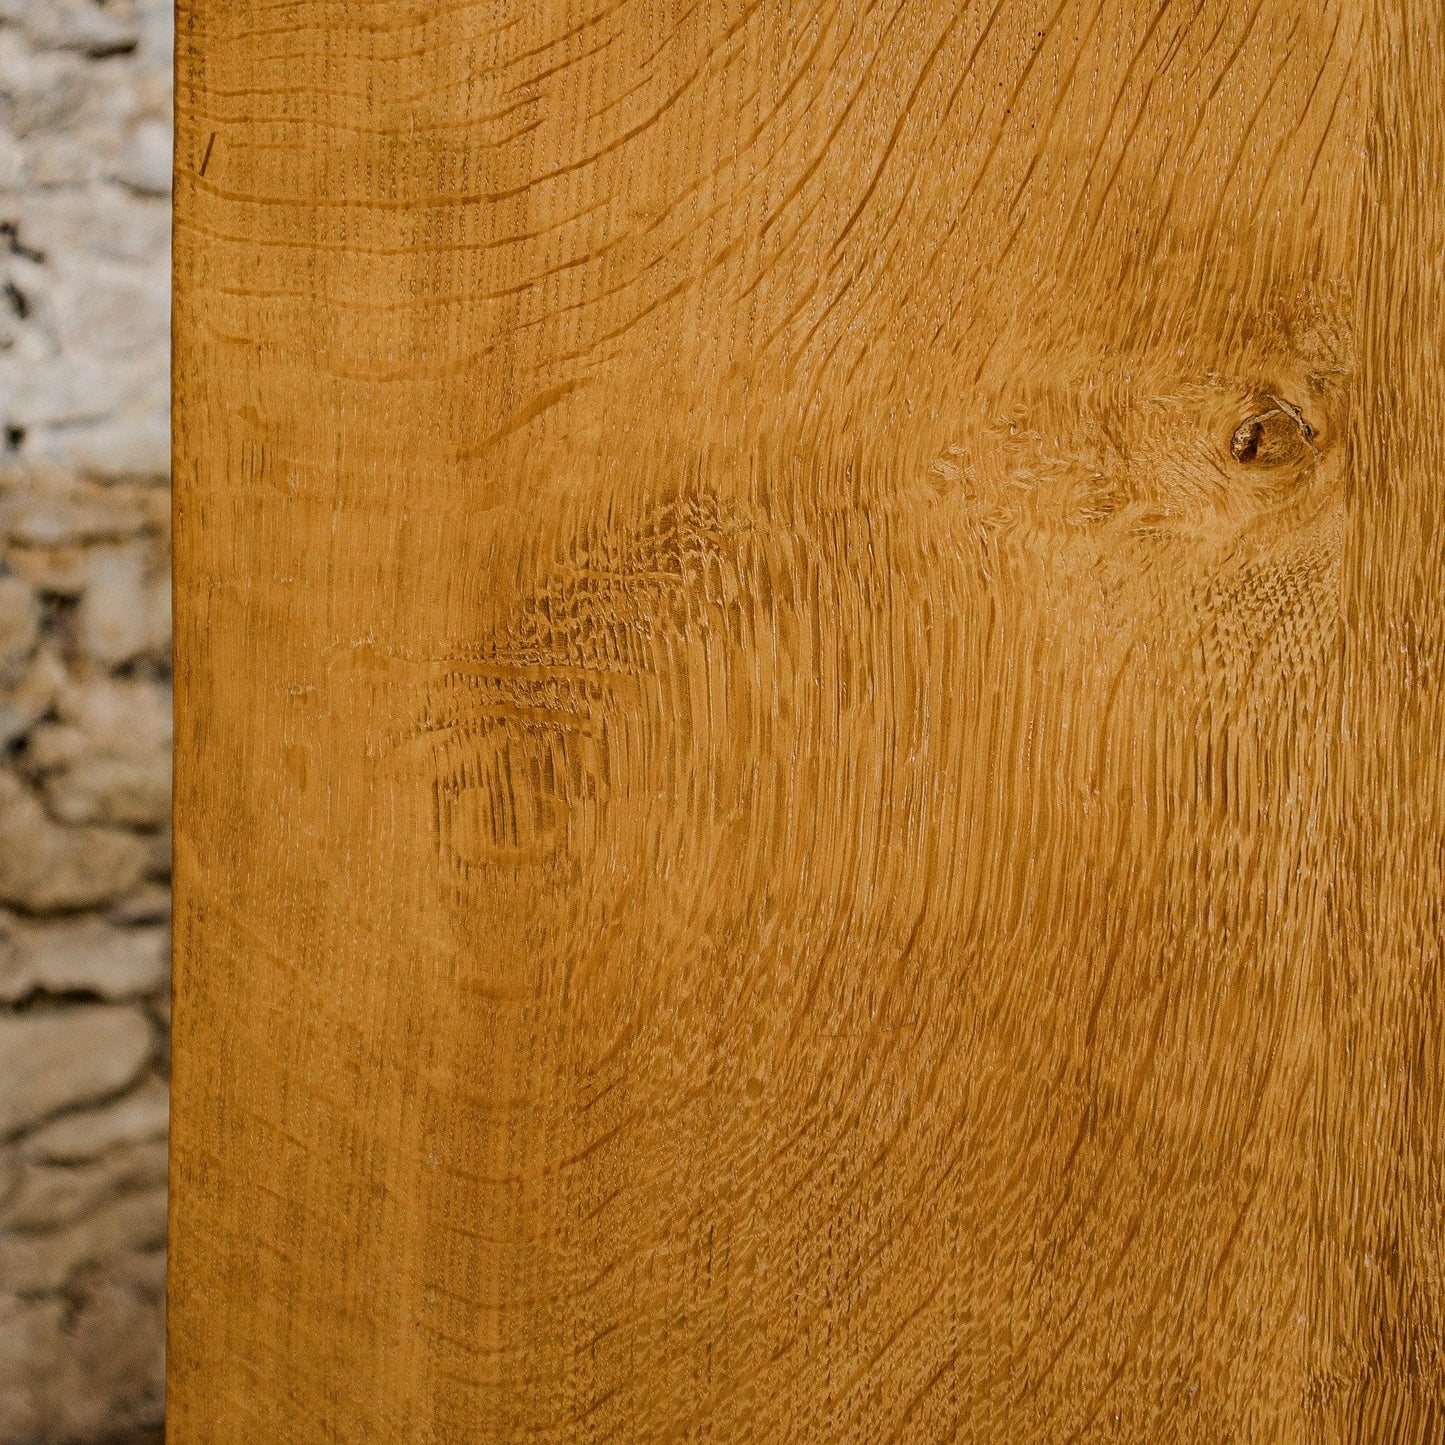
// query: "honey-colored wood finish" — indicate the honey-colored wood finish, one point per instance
point(810, 797)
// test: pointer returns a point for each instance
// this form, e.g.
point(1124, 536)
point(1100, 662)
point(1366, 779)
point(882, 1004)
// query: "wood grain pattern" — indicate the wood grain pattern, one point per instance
point(810, 652)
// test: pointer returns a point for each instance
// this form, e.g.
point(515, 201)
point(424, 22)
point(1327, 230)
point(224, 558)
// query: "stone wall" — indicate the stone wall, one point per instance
point(84, 714)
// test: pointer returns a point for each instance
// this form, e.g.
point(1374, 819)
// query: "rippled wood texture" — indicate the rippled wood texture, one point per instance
point(810, 645)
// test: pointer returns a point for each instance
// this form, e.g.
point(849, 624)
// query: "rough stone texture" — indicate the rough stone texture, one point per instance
point(65, 1058)
point(46, 867)
point(86, 955)
point(85, 727)
point(138, 1118)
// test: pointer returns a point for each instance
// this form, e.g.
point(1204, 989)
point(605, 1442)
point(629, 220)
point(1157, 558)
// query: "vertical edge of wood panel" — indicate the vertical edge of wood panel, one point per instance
point(1380, 1257)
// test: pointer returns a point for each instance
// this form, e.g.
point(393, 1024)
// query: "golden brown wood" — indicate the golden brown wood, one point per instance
point(809, 655)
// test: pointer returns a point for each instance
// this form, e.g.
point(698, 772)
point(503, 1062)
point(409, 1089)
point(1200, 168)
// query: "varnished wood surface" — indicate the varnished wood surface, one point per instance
point(809, 655)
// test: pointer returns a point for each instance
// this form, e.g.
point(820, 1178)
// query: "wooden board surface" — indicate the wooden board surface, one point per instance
point(809, 653)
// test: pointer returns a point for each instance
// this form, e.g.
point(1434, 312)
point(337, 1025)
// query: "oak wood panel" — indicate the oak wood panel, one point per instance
point(809, 794)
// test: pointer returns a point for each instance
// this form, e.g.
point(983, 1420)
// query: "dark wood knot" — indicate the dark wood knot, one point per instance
point(1277, 437)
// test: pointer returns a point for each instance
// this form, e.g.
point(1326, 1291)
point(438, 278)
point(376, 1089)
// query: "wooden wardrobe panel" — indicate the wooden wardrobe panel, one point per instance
point(809, 785)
